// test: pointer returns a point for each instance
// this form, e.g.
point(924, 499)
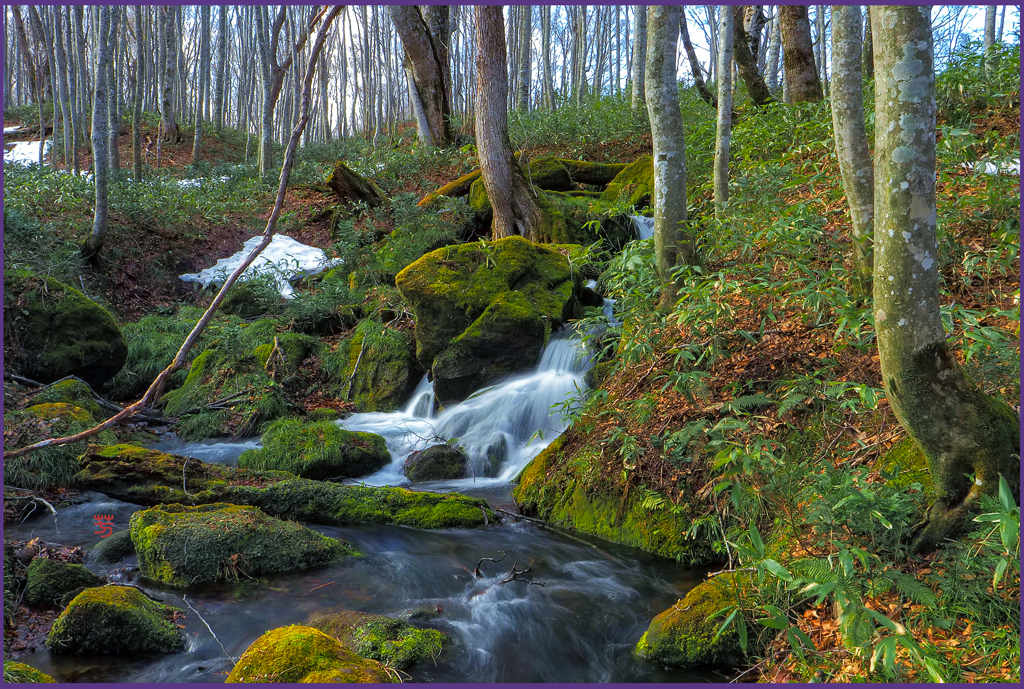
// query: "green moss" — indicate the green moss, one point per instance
point(387, 370)
point(323, 414)
point(592, 173)
point(294, 349)
point(303, 654)
point(684, 635)
point(548, 173)
point(633, 186)
point(318, 450)
point(905, 464)
point(52, 330)
point(49, 580)
point(598, 373)
point(392, 642)
point(116, 620)
point(182, 546)
point(436, 463)
point(114, 548)
point(51, 466)
point(252, 298)
point(73, 392)
point(19, 673)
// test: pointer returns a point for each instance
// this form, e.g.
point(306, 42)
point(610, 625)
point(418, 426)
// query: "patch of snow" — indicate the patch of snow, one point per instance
point(11, 130)
point(199, 181)
point(1010, 167)
point(25, 152)
point(644, 226)
point(285, 259)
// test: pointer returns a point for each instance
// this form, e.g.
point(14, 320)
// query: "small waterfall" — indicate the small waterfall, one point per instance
point(644, 226)
point(501, 427)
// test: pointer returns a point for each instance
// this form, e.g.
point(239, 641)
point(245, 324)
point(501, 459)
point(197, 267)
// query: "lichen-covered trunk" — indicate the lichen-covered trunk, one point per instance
point(867, 53)
point(428, 53)
point(691, 56)
point(990, 37)
point(525, 43)
point(798, 55)
point(62, 83)
point(772, 68)
point(672, 244)
point(852, 139)
point(113, 115)
point(170, 126)
point(140, 83)
point(204, 61)
point(746, 60)
point(639, 54)
point(724, 130)
point(222, 56)
point(100, 141)
point(515, 210)
point(547, 78)
point(968, 438)
point(819, 21)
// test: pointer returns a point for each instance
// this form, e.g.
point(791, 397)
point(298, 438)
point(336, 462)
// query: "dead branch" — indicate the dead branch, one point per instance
point(516, 575)
point(158, 385)
point(216, 404)
point(226, 654)
point(476, 570)
point(319, 587)
point(98, 398)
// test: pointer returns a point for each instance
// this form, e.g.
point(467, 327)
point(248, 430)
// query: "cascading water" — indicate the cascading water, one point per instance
point(644, 226)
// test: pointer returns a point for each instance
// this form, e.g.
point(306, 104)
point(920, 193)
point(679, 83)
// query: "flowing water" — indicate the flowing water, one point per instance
point(587, 606)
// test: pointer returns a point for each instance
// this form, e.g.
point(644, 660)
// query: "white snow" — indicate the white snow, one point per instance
point(11, 130)
point(25, 152)
point(285, 258)
point(1010, 167)
point(199, 181)
point(644, 226)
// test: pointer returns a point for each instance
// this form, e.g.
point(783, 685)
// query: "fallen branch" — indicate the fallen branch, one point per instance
point(158, 385)
point(522, 516)
point(98, 398)
point(319, 587)
point(476, 570)
point(35, 497)
point(216, 403)
point(226, 654)
point(516, 574)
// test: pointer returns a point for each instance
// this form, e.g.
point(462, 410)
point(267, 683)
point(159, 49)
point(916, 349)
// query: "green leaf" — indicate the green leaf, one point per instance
point(880, 518)
point(886, 650)
point(1006, 498)
point(1009, 532)
point(778, 570)
point(743, 634)
point(1000, 570)
point(725, 624)
point(933, 670)
point(755, 540)
point(884, 621)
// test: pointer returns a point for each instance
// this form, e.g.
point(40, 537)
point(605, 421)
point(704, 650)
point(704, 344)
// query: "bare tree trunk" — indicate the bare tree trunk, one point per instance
point(639, 55)
point(990, 38)
point(424, 34)
point(819, 17)
point(515, 210)
point(724, 129)
point(695, 68)
point(525, 66)
point(62, 82)
point(114, 128)
point(167, 75)
point(867, 53)
point(547, 81)
point(968, 438)
point(204, 62)
point(746, 61)
point(798, 54)
point(222, 69)
point(422, 125)
point(140, 67)
point(852, 139)
point(100, 140)
point(773, 54)
point(672, 244)
point(19, 29)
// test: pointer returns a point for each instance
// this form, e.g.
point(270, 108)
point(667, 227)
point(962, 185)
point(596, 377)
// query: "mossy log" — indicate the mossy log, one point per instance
point(454, 190)
point(352, 188)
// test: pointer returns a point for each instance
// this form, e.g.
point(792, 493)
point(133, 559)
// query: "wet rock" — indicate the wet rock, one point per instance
point(319, 450)
point(381, 369)
point(182, 546)
point(115, 620)
point(113, 548)
point(437, 463)
point(298, 654)
point(20, 673)
point(392, 642)
point(74, 392)
point(633, 186)
point(49, 580)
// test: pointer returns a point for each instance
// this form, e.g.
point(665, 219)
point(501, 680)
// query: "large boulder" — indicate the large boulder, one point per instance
point(113, 548)
point(486, 310)
point(52, 330)
point(114, 619)
point(436, 463)
point(182, 546)
point(298, 654)
point(49, 580)
point(381, 369)
point(633, 186)
point(318, 450)
point(393, 642)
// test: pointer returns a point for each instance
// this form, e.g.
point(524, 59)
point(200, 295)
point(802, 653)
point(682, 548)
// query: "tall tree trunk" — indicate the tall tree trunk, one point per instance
point(746, 61)
point(962, 432)
point(990, 38)
point(100, 140)
point(852, 139)
point(19, 30)
point(525, 44)
point(167, 76)
point(428, 52)
point(772, 68)
point(62, 83)
point(672, 245)
point(639, 55)
point(819, 18)
point(695, 69)
point(114, 127)
point(724, 129)
point(798, 54)
point(204, 62)
point(515, 210)
point(422, 125)
point(222, 70)
point(547, 80)
point(140, 80)
point(867, 53)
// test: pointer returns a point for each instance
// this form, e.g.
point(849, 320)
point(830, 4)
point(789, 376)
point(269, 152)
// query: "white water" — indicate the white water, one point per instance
point(644, 226)
point(501, 428)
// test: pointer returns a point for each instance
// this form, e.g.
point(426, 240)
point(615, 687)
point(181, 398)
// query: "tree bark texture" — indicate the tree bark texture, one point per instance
point(639, 54)
point(140, 80)
point(724, 129)
point(100, 141)
point(429, 55)
point(798, 55)
point(695, 69)
point(746, 60)
point(867, 53)
point(170, 126)
point(960, 430)
point(772, 68)
point(525, 66)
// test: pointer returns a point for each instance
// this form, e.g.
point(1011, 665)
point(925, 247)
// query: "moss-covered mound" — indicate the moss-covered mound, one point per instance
point(49, 580)
point(113, 548)
point(182, 546)
point(20, 673)
point(392, 642)
point(562, 487)
point(318, 450)
point(436, 463)
point(684, 636)
point(52, 330)
point(147, 477)
point(633, 186)
point(485, 310)
point(117, 620)
point(381, 369)
point(302, 654)
point(252, 299)
point(904, 464)
point(74, 392)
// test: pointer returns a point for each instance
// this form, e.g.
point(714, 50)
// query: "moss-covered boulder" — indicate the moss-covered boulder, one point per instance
point(71, 391)
point(114, 620)
point(148, 477)
point(49, 580)
point(547, 173)
point(285, 353)
point(319, 450)
point(486, 310)
point(436, 463)
point(52, 330)
point(253, 298)
point(114, 548)
point(684, 636)
point(563, 487)
point(904, 464)
point(633, 186)
point(393, 642)
point(20, 673)
point(381, 369)
point(298, 654)
point(182, 546)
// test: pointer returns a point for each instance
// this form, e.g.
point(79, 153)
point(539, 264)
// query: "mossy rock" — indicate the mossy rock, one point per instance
point(49, 580)
point(148, 477)
point(905, 464)
point(253, 298)
point(182, 546)
point(381, 369)
point(323, 414)
point(292, 351)
point(436, 463)
point(598, 373)
point(319, 450)
point(548, 173)
point(20, 673)
point(486, 310)
point(585, 172)
point(684, 636)
point(562, 487)
point(114, 548)
point(298, 654)
point(393, 642)
point(52, 330)
point(114, 620)
point(633, 186)
point(74, 392)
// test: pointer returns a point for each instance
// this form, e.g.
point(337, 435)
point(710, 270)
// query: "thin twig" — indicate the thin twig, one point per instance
point(319, 587)
point(476, 570)
point(226, 654)
point(216, 403)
